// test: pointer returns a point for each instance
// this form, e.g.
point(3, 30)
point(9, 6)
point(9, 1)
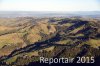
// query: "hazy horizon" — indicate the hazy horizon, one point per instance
point(49, 13)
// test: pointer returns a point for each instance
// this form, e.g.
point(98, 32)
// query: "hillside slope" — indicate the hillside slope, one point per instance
point(24, 40)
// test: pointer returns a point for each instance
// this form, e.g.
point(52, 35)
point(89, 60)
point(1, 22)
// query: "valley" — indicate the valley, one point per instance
point(24, 39)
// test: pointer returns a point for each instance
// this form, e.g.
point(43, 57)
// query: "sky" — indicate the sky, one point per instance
point(49, 5)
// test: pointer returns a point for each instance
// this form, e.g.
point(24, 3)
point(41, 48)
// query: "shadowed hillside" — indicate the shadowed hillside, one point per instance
point(23, 40)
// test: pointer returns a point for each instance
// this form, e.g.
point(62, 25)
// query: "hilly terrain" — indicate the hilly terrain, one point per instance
point(24, 39)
